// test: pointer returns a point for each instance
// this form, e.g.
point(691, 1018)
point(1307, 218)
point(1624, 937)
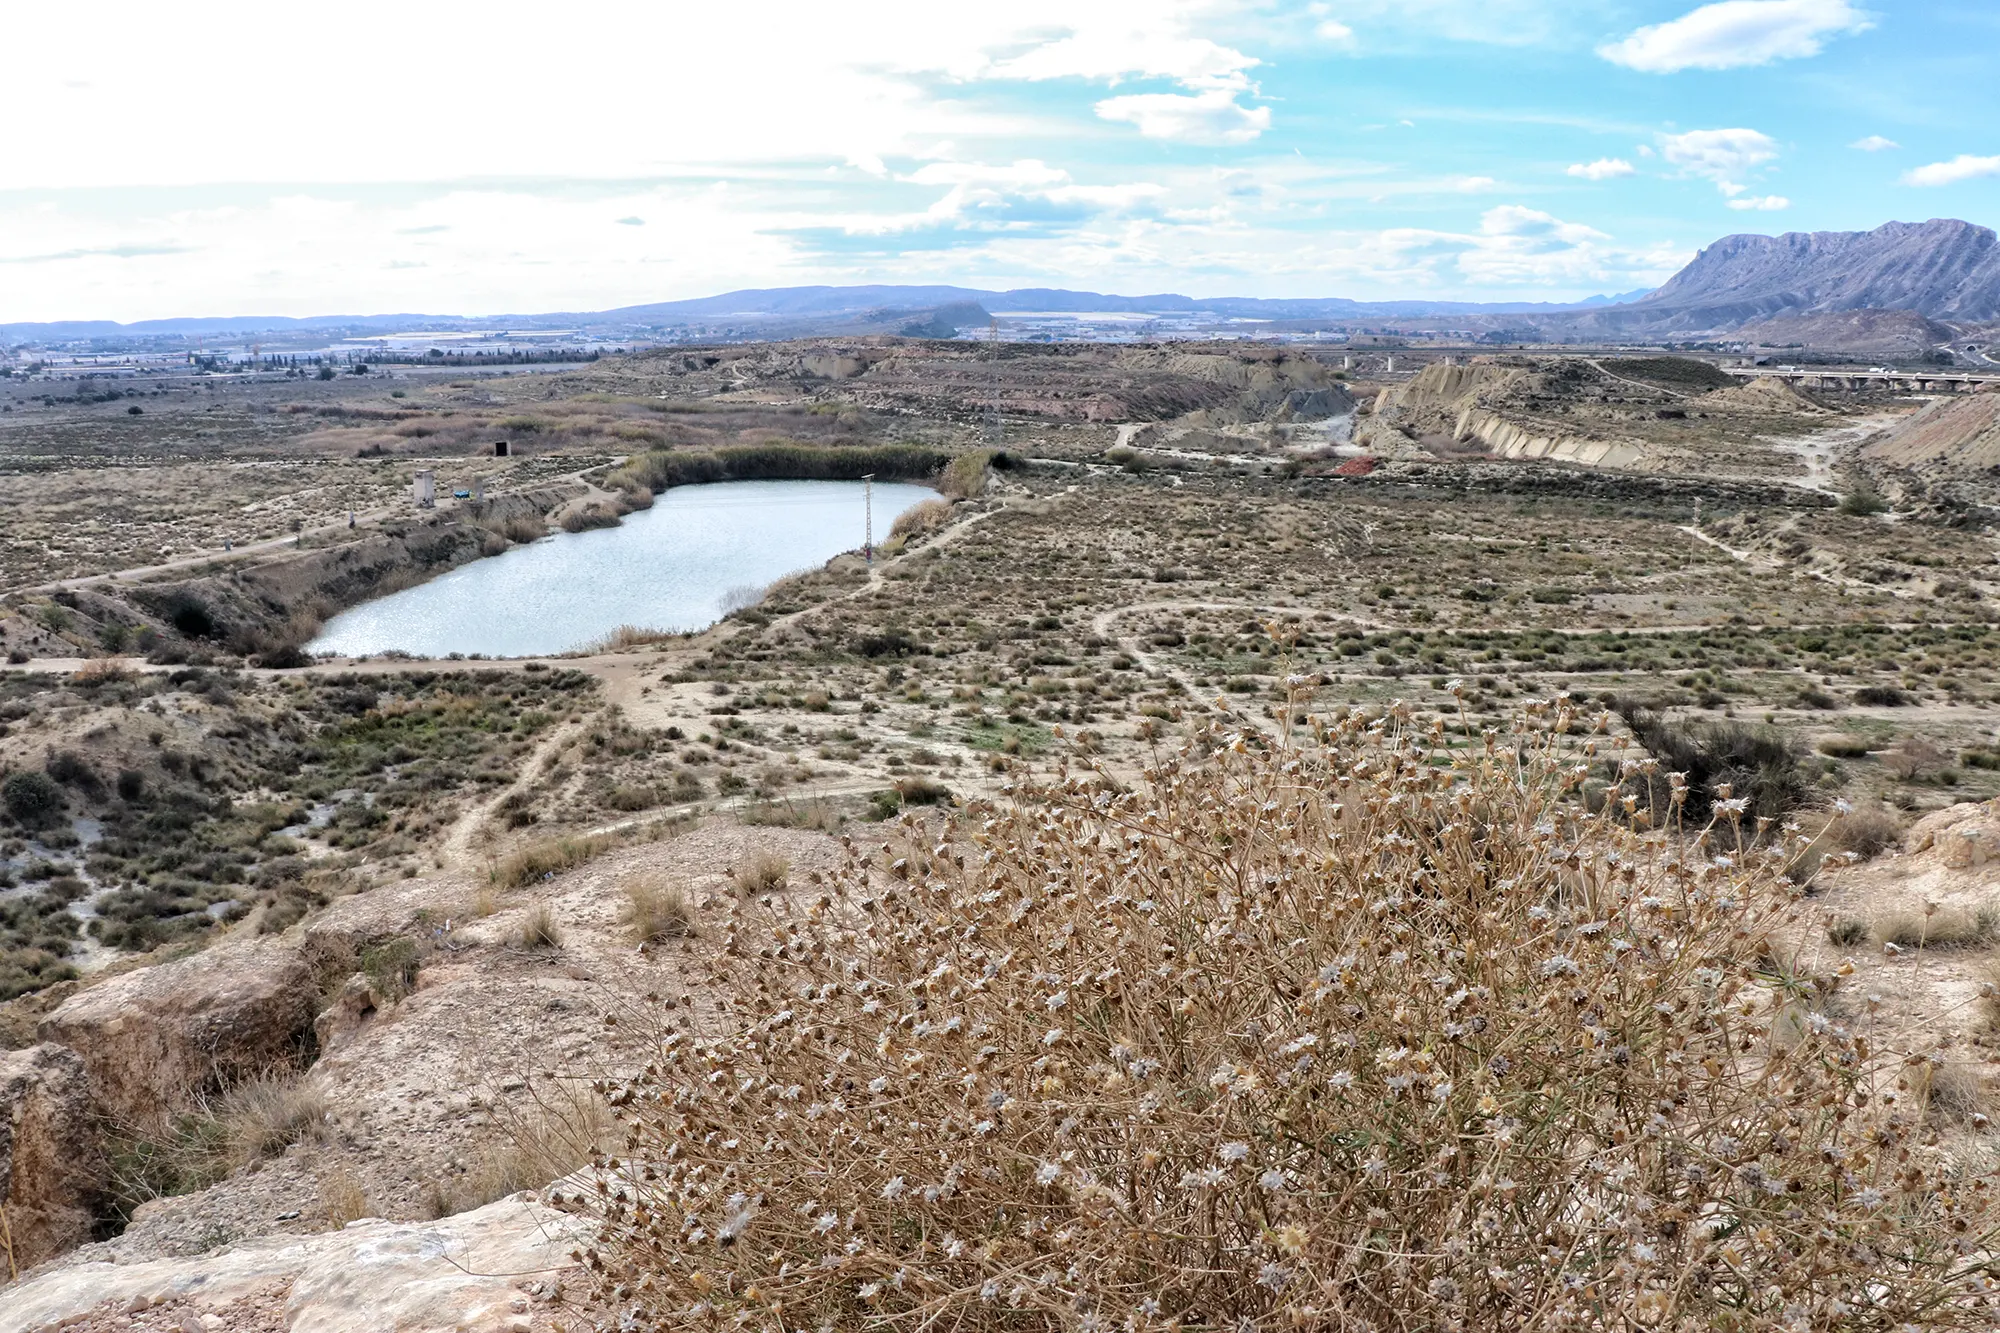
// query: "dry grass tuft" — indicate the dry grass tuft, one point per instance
point(815, 813)
point(921, 519)
point(630, 636)
point(539, 929)
point(589, 517)
point(519, 529)
point(1367, 1033)
point(1866, 833)
point(1949, 1092)
point(657, 910)
point(264, 1116)
point(1937, 928)
point(341, 1198)
point(104, 671)
point(207, 1137)
point(546, 860)
point(559, 1130)
point(761, 872)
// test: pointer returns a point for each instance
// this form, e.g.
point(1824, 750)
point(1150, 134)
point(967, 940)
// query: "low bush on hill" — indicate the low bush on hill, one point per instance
point(1363, 1032)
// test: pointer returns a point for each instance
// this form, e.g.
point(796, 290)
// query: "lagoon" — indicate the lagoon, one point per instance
point(681, 565)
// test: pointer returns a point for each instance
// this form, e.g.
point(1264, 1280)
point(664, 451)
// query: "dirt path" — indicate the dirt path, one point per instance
point(276, 546)
point(1101, 625)
point(1820, 450)
point(1599, 367)
point(1748, 556)
point(456, 850)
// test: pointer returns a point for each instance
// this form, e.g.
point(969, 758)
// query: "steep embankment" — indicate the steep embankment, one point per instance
point(1954, 435)
point(1655, 414)
point(1454, 406)
point(270, 606)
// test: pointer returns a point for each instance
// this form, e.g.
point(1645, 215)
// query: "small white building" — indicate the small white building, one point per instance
point(424, 490)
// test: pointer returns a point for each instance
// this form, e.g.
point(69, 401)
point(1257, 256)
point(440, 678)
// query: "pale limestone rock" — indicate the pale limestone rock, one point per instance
point(153, 1036)
point(462, 1273)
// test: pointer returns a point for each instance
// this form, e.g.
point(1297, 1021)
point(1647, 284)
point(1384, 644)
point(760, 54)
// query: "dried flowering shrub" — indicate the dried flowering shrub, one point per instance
point(1365, 1031)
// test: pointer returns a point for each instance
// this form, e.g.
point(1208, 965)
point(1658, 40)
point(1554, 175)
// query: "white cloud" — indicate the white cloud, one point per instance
point(1874, 143)
point(878, 146)
point(1027, 173)
point(1964, 167)
point(1333, 30)
point(1736, 33)
point(1519, 221)
point(1603, 169)
point(1210, 117)
point(843, 85)
point(1521, 246)
point(1722, 156)
point(1763, 203)
point(1153, 44)
point(1416, 26)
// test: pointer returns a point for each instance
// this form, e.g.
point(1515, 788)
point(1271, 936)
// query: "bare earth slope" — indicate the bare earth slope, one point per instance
point(1891, 334)
point(1951, 435)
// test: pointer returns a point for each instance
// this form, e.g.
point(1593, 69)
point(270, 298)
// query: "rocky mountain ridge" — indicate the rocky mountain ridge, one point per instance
point(1943, 269)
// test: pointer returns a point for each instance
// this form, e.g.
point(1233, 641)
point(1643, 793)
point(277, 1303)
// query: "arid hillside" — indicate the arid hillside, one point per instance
point(292, 943)
point(1661, 414)
point(958, 381)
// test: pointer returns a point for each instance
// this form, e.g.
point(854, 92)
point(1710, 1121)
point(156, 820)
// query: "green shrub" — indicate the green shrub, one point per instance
point(1863, 502)
point(1758, 765)
point(32, 798)
point(659, 469)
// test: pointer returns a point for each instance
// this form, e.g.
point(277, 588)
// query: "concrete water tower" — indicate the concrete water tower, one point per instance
point(424, 490)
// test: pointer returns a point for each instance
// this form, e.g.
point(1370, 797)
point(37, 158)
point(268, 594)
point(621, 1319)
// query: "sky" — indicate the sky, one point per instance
point(484, 159)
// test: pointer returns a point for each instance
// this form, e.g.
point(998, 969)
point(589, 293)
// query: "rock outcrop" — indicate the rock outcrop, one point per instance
point(485, 1271)
point(52, 1169)
point(354, 1004)
point(151, 1038)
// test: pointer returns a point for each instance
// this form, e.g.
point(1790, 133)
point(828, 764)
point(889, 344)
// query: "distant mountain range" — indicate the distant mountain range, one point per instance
point(1943, 269)
point(792, 311)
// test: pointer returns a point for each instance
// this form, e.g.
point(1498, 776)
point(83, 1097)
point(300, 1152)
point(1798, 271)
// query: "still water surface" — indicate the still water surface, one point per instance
point(673, 567)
